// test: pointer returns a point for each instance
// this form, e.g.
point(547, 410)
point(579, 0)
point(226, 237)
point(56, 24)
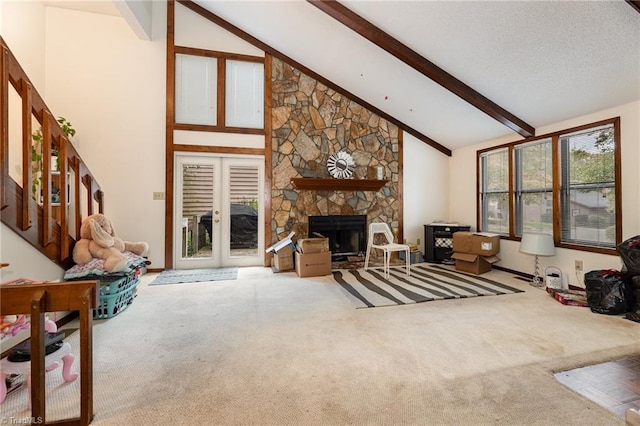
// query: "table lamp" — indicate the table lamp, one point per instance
point(537, 244)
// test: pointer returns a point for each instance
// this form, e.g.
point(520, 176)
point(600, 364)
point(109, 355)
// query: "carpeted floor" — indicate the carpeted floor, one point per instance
point(276, 349)
point(179, 276)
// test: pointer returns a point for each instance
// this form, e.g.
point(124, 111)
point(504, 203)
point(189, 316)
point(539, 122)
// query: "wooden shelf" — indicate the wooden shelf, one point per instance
point(329, 184)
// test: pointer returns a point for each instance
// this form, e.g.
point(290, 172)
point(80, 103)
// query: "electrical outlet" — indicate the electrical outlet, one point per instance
point(418, 242)
point(158, 195)
point(578, 264)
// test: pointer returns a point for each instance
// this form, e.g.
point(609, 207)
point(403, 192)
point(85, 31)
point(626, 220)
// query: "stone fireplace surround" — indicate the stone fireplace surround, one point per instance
point(309, 123)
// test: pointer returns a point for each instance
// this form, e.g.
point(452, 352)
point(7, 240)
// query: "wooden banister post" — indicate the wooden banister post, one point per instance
point(38, 307)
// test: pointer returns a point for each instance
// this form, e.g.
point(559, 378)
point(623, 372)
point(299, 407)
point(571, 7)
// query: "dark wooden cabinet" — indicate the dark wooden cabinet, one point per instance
point(438, 241)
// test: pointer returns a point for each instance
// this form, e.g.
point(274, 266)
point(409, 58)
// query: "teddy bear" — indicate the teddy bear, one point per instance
point(98, 240)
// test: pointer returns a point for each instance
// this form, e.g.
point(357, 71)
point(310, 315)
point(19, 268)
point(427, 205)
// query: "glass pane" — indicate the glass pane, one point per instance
point(197, 201)
point(243, 209)
point(244, 94)
point(496, 173)
point(495, 191)
point(592, 217)
point(591, 157)
point(535, 168)
point(536, 211)
point(497, 213)
point(534, 186)
point(589, 206)
point(196, 89)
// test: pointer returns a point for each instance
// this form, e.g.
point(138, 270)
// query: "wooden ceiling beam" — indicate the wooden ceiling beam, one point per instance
point(634, 4)
point(410, 57)
point(207, 14)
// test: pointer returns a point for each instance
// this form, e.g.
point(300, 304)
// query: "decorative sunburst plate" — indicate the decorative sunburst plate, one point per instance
point(341, 165)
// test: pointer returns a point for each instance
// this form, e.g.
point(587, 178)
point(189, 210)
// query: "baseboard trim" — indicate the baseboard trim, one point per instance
point(513, 271)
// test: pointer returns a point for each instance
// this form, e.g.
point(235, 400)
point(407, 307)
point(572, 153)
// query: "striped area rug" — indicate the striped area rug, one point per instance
point(368, 289)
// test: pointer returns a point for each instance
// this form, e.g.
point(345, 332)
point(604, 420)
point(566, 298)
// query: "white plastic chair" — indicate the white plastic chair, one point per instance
point(388, 248)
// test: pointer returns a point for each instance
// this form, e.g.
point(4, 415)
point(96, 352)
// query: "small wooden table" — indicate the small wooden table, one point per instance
point(38, 298)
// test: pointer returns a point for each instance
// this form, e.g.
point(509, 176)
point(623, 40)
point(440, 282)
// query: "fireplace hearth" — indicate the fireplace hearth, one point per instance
point(346, 233)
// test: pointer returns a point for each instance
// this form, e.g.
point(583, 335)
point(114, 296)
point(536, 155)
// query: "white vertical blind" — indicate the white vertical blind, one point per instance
point(244, 104)
point(196, 89)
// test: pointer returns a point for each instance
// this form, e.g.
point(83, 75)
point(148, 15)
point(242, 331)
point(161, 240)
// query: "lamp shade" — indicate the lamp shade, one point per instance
point(537, 243)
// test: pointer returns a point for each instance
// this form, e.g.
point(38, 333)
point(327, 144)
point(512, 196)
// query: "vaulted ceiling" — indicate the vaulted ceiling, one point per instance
point(459, 72)
point(541, 62)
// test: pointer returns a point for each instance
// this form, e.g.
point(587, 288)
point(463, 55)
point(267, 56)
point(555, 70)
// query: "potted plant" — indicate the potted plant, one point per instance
point(36, 152)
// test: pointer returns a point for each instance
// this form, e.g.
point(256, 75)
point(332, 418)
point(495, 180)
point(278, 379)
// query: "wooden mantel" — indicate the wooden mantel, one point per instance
point(330, 184)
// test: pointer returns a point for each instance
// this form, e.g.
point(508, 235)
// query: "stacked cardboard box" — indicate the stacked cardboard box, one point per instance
point(475, 252)
point(313, 257)
point(282, 254)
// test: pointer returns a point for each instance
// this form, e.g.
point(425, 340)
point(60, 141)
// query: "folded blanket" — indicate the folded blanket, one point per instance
point(95, 269)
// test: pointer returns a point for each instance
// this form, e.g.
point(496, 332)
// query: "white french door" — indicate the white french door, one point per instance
point(218, 211)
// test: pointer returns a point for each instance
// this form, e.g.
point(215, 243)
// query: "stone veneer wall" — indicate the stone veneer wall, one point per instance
point(309, 123)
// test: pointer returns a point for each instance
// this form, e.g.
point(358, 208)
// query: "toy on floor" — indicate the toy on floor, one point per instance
point(98, 239)
point(52, 361)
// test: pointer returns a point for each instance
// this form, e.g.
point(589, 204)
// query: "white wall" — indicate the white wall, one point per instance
point(111, 85)
point(426, 188)
point(22, 26)
point(462, 176)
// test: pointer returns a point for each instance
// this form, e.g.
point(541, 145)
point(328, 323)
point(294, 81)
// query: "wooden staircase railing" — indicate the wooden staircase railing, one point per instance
point(34, 220)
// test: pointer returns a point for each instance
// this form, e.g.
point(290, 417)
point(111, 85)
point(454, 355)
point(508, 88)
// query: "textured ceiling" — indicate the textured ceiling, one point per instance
point(543, 61)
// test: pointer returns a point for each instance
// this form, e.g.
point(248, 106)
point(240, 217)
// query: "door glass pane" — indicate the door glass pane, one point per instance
point(243, 209)
point(196, 89)
point(197, 212)
point(244, 94)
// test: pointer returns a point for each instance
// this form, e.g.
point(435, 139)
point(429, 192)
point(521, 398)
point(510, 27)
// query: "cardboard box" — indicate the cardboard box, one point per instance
point(313, 264)
point(480, 243)
point(282, 253)
point(313, 245)
point(280, 244)
point(283, 259)
point(474, 263)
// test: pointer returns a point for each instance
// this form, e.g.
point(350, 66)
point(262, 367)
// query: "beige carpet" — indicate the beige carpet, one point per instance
point(274, 349)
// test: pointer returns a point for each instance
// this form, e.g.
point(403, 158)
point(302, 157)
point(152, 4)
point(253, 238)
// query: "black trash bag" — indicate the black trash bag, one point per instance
point(607, 292)
point(629, 251)
point(634, 314)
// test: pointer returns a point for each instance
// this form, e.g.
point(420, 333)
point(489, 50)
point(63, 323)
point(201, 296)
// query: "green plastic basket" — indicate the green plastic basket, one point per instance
point(112, 304)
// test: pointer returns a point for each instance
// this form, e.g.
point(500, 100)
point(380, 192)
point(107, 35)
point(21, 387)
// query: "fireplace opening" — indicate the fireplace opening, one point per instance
point(346, 233)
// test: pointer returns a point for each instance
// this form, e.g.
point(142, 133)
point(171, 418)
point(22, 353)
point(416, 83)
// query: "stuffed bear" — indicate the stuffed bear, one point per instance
point(98, 240)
